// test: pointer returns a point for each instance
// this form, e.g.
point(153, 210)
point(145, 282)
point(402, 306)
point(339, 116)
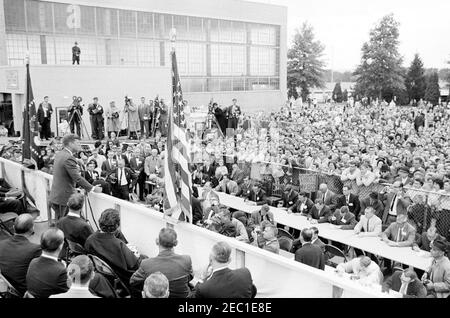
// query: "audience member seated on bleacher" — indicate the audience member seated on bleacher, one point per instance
point(269, 241)
point(319, 213)
point(156, 286)
point(369, 224)
point(289, 198)
point(228, 186)
point(257, 196)
point(343, 218)
point(225, 224)
point(424, 241)
point(350, 200)
point(176, 267)
point(46, 275)
point(80, 272)
point(262, 215)
point(304, 204)
point(111, 249)
point(310, 254)
point(327, 197)
point(75, 228)
point(406, 283)
point(17, 252)
point(437, 278)
point(400, 233)
point(218, 281)
point(366, 271)
point(373, 202)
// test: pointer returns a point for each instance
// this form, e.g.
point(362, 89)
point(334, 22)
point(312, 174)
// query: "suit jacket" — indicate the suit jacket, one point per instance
point(210, 171)
point(244, 190)
point(46, 277)
point(107, 168)
point(227, 283)
point(415, 288)
point(237, 176)
point(177, 268)
point(311, 255)
point(403, 234)
point(259, 198)
point(66, 175)
point(75, 229)
point(290, 199)
point(89, 178)
point(308, 206)
point(16, 253)
point(376, 204)
point(129, 175)
point(144, 111)
point(229, 188)
point(40, 113)
point(135, 166)
point(329, 199)
point(75, 293)
point(197, 210)
point(347, 222)
point(353, 203)
point(113, 251)
point(402, 205)
point(322, 215)
point(230, 114)
point(424, 243)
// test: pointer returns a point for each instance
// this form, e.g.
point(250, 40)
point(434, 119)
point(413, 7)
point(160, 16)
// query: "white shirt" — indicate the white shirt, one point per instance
point(73, 214)
point(49, 256)
point(121, 173)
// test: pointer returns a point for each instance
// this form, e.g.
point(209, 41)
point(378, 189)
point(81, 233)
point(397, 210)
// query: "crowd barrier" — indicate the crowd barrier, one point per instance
point(274, 275)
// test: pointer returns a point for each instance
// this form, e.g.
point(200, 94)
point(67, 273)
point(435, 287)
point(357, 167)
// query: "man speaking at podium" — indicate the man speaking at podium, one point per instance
point(66, 175)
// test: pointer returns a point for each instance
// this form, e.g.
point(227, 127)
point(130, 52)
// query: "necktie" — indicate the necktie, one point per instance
point(393, 201)
point(367, 228)
point(121, 171)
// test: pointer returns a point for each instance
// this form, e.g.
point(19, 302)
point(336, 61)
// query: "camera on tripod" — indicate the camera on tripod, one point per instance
point(127, 99)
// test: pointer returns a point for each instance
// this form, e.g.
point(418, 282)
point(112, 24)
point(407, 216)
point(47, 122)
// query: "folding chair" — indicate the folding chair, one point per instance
point(7, 290)
point(284, 233)
point(285, 243)
point(7, 222)
point(334, 252)
point(103, 268)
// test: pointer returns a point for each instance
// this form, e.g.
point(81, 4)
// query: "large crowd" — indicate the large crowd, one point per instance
point(378, 170)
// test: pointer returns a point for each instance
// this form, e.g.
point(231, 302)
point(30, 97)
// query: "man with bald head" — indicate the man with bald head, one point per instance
point(218, 281)
point(17, 252)
point(47, 276)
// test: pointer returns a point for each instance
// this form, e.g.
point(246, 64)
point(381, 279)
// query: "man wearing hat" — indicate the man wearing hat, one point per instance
point(403, 176)
point(437, 278)
point(76, 54)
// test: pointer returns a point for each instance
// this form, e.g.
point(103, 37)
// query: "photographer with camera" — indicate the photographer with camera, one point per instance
point(133, 117)
point(112, 119)
point(75, 112)
point(96, 112)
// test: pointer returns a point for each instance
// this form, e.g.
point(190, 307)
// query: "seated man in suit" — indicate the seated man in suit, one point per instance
point(304, 204)
point(80, 272)
point(75, 228)
point(9, 203)
point(309, 253)
point(289, 198)
point(319, 213)
point(366, 271)
point(17, 252)
point(112, 250)
point(177, 268)
point(262, 215)
point(350, 200)
point(327, 197)
point(424, 241)
point(257, 196)
point(245, 187)
point(343, 218)
point(156, 285)
point(218, 281)
point(269, 241)
point(400, 233)
point(47, 276)
point(373, 202)
point(406, 283)
point(369, 224)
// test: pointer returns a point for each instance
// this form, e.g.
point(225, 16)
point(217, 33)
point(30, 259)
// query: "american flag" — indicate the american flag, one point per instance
point(30, 149)
point(178, 181)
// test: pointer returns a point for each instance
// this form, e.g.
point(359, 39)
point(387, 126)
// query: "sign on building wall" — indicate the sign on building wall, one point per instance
point(12, 79)
point(74, 19)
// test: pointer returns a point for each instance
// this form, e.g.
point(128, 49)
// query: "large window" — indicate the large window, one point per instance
point(148, 53)
point(263, 61)
point(228, 60)
point(106, 22)
point(145, 24)
point(39, 16)
point(19, 45)
point(127, 23)
point(14, 15)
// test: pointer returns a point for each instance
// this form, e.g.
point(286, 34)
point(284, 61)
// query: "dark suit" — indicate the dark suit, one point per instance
point(233, 116)
point(16, 254)
point(138, 169)
point(107, 168)
point(352, 203)
point(259, 198)
point(227, 283)
point(376, 204)
point(90, 177)
point(328, 198)
point(66, 174)
point(210, 170)
point(115, 252)
point(75, 229)
point(244, 190)
point(123, 191)
point(402, 206)
point(197, 211)
point(45, 121)
point(308, 206)
point(177, 269)
point(312, 255)
point(415, 288)
point(322, 215)
point(290, 199)
point(237, 176)
point(46, 277)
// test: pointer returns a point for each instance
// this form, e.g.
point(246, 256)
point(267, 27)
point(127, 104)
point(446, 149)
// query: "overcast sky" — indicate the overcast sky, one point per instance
point(344, 25)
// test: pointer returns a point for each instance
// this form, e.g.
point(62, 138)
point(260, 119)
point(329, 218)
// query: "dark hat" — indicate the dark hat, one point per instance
point(384, 168)
point(404, 168)
point(440, 245)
